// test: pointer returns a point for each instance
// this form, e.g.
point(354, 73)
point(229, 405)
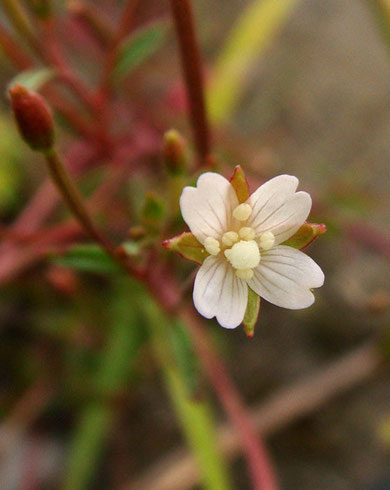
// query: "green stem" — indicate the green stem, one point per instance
point(74, 200)
point(195, 415)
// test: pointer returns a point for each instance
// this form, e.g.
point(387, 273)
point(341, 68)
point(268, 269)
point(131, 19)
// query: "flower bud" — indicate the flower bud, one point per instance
point(34, 118)
point(175, 152)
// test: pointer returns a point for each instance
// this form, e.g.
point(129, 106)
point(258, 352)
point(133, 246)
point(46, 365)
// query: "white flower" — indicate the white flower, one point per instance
point(243, 241)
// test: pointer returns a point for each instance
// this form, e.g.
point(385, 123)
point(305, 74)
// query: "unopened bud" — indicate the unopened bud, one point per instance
point(34, 118)
point(175, 152)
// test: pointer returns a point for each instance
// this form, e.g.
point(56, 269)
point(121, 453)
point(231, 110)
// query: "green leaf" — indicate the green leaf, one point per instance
point(185, 357)
point(240, 184)
point(188, 247)
point(116, 367)
point(138, 47)
point(306, 234)
point(33, 79)
point(251, 313)
point(251, 35)
point(88, 258)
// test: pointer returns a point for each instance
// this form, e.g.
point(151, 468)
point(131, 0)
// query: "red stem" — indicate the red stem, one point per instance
point(53, 54)
point(192, 71)
point(260, 466)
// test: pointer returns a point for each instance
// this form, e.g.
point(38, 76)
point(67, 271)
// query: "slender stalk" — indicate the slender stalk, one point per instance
point(93, 20)
point(261, 470)
point(53, 54)
point(74, 200)
point(192, 71)
point(125, 24)
point(76, 204)
point(105, 84)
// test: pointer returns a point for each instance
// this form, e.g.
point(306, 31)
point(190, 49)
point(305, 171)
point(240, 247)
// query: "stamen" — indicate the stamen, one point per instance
point(229, 238)
point(267, 240)
point(244, 274)
point(242, 212)
point(212, 246)
point(247, 233)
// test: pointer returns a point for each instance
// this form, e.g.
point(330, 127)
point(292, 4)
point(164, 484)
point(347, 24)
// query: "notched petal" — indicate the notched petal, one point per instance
point(219, 292)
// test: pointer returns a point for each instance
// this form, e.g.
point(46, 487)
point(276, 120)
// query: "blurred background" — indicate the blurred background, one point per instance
point(312, 99)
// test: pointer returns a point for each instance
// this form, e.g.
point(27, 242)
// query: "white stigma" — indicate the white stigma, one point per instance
point(244, 274)
point(229, 238)
point(242, 212)
point(247, 233)
point(267, 240)
point(244, 255)
point(212, 246)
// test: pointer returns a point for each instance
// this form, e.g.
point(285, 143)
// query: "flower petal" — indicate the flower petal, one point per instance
point(277, 208)
point(285, 276)
point(219, 292)
point(208, 208)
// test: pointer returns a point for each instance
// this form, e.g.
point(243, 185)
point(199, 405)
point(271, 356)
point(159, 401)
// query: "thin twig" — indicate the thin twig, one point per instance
point(192, 70)
point(178, 470)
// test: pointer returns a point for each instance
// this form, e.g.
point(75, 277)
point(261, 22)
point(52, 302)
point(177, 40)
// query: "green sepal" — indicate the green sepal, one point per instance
point(188, 247)
point(240, 184)
point(251, 313)
point(306, 234)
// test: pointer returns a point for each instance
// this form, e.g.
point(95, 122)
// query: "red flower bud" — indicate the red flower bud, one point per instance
point(34, 118)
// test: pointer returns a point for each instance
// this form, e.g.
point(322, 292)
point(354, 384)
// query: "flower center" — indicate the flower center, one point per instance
point(241, 248)
point(244, 255)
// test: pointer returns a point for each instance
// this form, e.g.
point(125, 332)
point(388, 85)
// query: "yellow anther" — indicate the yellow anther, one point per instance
point(267, 240)
point(244, 255)
point(247, 233)
point(242, 212)
point(229, 238)
point(244, 274)
point(212, 246)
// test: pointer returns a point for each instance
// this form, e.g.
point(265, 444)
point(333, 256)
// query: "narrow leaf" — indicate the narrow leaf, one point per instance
point(185, 356)
point(251, 35)
point(188, 247)
point(88, 258)
point(306, 234)
point(251, 313)
point(240, 184)
point(138, 47)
